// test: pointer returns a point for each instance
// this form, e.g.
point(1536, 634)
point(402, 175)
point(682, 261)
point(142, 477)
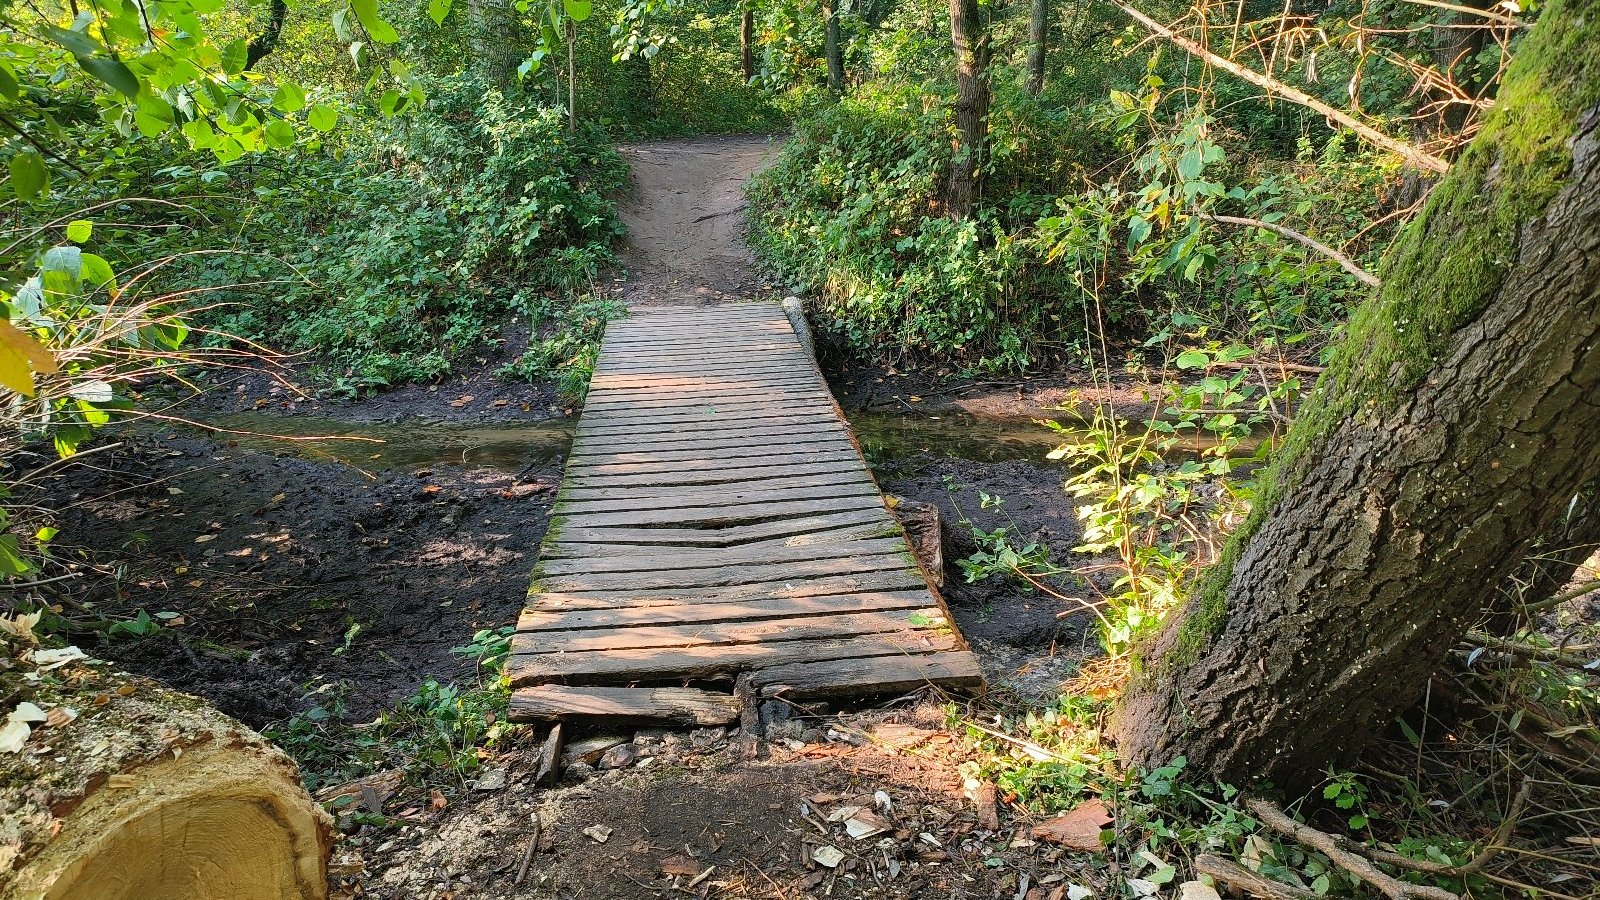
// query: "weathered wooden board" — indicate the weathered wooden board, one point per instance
point(716, 519)
point(674, 706)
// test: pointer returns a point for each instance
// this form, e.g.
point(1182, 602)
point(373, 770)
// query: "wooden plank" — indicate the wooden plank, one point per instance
point(664, 560)
point(538, 619)
point(868, 582)
point(879, 674)
point(673, 706)
point(777, 458)
point(730, 633)
point(566, 548)
point(736, 449)
point(620, 400)
point(694, 384)
point(789, 488)
point(586, 477)
point(723, 516)
point(704, 662)
point(726, 576)
point(750, 434)
point(691, 501)
point(780, 529)
point(603, 428)
point(631, 412)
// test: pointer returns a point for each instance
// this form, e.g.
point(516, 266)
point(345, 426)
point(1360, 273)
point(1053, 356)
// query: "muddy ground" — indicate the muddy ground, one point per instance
point(258, 557)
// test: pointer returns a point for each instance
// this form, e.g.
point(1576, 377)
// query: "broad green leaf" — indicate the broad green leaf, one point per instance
point(437, 10)
point(280, 134)
point(227, 150)
point(367, 12)
point(358, 53)
point(322, 117)
point(153, 115)
point(1192, 359)
point(235, 55)
point(76, 42)
point(12, 562)
point(30, 177)
point(289, 97)
point(578, 10)
point(1190, 165)
point(10, 89)
point(78, 230)
point(97, 273)
point(200, 134)
point(111, 72)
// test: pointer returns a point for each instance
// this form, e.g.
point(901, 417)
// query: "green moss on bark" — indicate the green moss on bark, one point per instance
point(1443, 270)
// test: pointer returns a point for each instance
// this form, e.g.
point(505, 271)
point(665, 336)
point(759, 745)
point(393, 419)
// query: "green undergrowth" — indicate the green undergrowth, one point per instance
point(439, 735)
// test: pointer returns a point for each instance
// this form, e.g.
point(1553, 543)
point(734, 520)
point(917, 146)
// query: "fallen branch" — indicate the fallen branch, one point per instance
point(1232, 874)
point(1528, 651)
point(534, 837)
point(1345, 262)
point(1582, 589)
point(1345, 854)
point(1412, 155)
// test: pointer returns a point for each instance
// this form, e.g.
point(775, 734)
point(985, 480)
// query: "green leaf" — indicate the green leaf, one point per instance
point(367, 12)
point(289, 97)
point(111, 72)
point(437, 10)
point(578, 10)
point(280, 134)
point(1190, 165)
point(76, 42)
point(1192, 359)
point(200, 134)
point(235, 55)
point(153, 115)
point(96, 272)
point(12, 561)
point(10, 88)
point(78, 230)
point(30, 177)
point(322, 117)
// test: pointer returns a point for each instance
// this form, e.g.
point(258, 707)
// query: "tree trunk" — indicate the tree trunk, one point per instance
point(1451, 429)
point(493, 33)
point(970, 40)
point(747, 43)
point(267, 40)
point(148, 794)
point(1038, 41)
point(833, 47)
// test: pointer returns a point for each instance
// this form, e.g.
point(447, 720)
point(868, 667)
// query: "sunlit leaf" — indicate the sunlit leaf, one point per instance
point(367, 12)
point(20, 357)
point(30, 177)
point(322, 117)
point(437, 10)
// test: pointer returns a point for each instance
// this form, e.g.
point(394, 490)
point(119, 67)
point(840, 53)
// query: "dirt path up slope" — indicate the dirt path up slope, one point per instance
point(685, 218)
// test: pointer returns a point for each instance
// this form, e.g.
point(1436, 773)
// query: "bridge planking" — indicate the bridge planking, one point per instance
point(716, 521)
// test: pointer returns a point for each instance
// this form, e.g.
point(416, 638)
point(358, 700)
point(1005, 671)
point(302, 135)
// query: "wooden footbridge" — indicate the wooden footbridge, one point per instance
point(718, 527)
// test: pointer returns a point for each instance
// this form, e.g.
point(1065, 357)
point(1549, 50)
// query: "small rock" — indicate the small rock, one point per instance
point(708, 739)
point(619, 757)
point(1197, 890)
point(578, 771)
point(491, 780)
point(598, 833)
point(813, 736)
point(828, 856)
point(589, 750)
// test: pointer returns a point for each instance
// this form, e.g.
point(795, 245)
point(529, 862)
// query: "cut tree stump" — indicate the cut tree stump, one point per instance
point(149, 794)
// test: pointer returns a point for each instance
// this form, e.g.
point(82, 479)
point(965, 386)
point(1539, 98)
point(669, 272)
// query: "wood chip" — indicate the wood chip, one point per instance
point(1077, 830)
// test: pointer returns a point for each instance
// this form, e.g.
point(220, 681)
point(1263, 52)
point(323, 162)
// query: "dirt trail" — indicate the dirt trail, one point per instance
point(684, 213)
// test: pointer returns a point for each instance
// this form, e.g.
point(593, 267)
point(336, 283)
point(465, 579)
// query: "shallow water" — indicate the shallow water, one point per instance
point(417, 443)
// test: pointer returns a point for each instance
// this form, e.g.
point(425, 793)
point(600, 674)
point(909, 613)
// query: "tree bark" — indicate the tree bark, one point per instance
point(1038, 43)
point(267, 40)
point(747, 43)
point(148, 794)
point(1451, 429)
point(494, 34)
point(833, 46)
point(970, 40)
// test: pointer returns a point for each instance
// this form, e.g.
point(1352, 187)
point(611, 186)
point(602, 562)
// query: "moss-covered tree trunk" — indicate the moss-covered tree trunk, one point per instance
point(833, 46)
point(1038, 42)
point(970, 39)
point(1456, 421)
point(495, 36)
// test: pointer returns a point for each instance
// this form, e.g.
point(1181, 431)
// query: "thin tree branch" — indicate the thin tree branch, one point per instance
point(1345, 262)
point(1411, 154)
